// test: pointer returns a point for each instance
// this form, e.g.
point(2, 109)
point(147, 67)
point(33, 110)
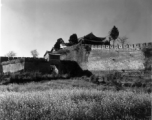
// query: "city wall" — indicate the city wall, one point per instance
point(11, 68)
point(88, 57)
point(25, 64)
point(115, 60)
point(41, 65)
point(103, 58)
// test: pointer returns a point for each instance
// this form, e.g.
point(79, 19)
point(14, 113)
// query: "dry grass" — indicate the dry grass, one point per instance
point(76, 104)
point(71, 99)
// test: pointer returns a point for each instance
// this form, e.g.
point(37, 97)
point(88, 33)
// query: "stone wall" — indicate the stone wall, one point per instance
point(89, 57)
point(41, 65)
point(37, 67)
point(13, 66)
point(26, 64)
point(10, 68)
point(103, 58)
point(127, 47)
point(115, 60)
point(78, 53)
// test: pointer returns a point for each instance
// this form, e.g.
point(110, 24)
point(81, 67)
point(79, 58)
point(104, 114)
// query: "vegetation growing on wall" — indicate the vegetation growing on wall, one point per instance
point(148, 58)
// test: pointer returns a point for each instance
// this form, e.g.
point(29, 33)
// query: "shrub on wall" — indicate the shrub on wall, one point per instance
point(148, 58)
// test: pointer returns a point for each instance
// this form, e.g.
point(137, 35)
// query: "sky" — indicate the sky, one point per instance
point(37, 24)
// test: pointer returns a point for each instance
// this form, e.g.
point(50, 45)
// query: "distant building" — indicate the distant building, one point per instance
point(49, 56)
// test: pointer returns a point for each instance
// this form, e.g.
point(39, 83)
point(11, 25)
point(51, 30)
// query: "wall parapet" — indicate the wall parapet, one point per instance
point(14, 60)
point(138, 46)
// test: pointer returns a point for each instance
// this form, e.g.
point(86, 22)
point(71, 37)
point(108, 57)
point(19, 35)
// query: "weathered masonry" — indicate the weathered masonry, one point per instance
point(100, 57)
point(25, 64)
point(87, 57)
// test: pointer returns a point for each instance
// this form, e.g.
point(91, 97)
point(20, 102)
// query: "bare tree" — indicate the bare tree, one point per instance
point(123, 40)
point(34, 53)
point(11, 54)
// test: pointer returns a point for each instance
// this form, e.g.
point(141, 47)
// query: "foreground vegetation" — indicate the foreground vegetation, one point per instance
point(74, 104)
point(136, 81)
point(24, 97)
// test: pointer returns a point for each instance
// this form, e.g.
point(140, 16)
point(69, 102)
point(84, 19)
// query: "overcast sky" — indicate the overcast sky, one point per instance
point(37, 24)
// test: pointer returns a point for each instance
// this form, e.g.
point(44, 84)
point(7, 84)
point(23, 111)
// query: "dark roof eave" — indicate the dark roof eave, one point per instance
point(46, 52)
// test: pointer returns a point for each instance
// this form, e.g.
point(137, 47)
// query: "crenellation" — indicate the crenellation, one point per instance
point(127, 47)
point(138, 45)
point(144, 45)
point(92, 47)
point(141, 45)
point(133, 45)
point(111, 46)
point(98, 46)
point(150, 44)
point(4, 59)
point(123, 56)
point(130, 46)
point(147, 45)
point(107, 46)
point(116, 47)
point(103, 47)
point(120, 46)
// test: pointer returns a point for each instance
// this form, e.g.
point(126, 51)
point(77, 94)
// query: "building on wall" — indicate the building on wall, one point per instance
point(49, 56)
point(91, 53)
point(104, 57)
point(87, 57)
point(91, 39)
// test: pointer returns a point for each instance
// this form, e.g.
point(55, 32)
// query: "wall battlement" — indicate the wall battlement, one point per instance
point(15, 59)
point(90, 57)
point(129, 47)
point(101, 57)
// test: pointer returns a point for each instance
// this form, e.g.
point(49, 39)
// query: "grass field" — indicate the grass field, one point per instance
point(71, 100)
